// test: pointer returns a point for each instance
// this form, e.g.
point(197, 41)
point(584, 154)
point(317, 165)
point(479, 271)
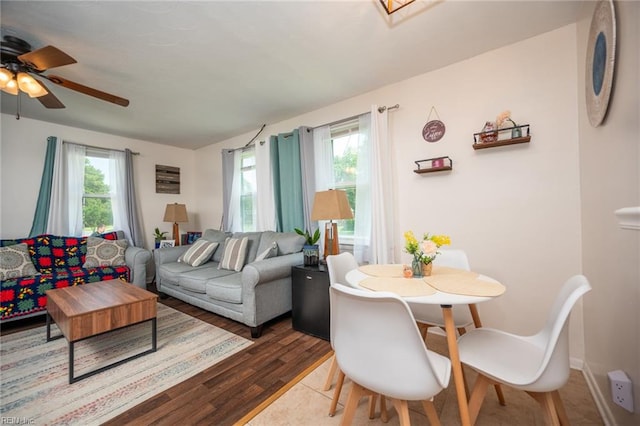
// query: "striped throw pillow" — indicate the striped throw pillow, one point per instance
point(199, 253)
point(235, 252)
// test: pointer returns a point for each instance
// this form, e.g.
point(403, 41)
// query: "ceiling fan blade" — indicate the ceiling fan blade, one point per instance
point(49, 100)
point(88, 90)
point(45, 58)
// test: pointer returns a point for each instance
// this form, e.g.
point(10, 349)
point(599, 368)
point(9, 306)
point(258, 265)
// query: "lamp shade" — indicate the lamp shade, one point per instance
point(176, 213)
point(331, 205)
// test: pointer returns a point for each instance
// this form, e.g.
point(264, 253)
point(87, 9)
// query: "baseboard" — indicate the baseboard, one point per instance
point(598, 397)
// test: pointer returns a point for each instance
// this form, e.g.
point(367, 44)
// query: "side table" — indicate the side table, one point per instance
point(310, 310)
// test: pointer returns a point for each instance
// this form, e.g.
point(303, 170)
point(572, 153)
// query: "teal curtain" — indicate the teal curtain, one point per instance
point(41, 215)
point(287, 177)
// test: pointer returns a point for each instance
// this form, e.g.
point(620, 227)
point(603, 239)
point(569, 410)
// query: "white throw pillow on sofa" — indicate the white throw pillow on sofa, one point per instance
point(199, 253)
point(270, 252)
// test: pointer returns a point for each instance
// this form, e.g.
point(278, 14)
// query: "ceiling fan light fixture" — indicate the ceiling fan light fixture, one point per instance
point(30, 86)
point(5, 77)
point(11, 87)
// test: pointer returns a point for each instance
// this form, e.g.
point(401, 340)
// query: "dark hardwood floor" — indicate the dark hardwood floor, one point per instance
point(224, 393)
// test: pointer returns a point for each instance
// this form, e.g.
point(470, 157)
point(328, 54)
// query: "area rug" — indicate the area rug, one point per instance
point(34, 373)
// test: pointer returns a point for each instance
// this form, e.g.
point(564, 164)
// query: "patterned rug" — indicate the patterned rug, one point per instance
point(34, 373)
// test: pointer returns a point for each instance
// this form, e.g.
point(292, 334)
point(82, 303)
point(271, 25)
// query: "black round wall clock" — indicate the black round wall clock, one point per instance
point(600, 63)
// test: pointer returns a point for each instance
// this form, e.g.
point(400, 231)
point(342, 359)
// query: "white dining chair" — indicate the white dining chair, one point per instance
point(378, 346)
point(431, 315)
point(537, 364)
point(338, 265)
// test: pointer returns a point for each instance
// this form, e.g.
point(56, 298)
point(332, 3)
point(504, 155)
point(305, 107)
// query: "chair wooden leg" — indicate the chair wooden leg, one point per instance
point(384, 415)
point(372, 405)
point(332, 373)
point(546, 401)
point(402, 407)
point(424, 329)
point(432, 414)
point(336, 393)
point(477, 396)
point(355, 393)
point(562, 414)
point(498, 389)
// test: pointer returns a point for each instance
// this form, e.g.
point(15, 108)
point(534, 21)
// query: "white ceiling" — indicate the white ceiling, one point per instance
point(197, 73)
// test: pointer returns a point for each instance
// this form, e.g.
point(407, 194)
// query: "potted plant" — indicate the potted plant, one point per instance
point(159, 236)
point(311, 250)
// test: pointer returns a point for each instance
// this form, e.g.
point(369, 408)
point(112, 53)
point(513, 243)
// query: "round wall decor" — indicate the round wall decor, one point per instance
point(601, 54)
point(433, 131)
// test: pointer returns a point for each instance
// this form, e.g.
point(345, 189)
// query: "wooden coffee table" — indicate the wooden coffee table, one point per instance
point(89, 310)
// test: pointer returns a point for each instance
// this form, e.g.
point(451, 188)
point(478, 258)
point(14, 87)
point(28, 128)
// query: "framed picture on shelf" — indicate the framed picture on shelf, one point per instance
point(167, 243)
point(193, 236)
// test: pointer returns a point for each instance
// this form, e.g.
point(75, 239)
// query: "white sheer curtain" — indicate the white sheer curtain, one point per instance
point(323, 152)
point(382, 220)
point(325, 177)
point(234, 213)
point(65, 213)
point(117, 188)
point(362, 230)
point(265, 200)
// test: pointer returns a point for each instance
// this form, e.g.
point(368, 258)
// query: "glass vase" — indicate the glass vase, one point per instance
point(416, 268)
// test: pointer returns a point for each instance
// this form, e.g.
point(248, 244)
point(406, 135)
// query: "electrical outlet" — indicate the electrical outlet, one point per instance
point(621, 389)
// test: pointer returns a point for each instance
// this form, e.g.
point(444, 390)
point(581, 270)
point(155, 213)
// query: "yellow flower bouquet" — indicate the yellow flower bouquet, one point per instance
point(423, 251)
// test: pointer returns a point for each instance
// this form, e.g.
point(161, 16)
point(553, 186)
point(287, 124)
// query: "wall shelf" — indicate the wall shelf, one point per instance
point(479, 144)
point(430, 165)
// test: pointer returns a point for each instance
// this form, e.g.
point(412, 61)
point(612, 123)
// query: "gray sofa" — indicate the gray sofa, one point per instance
point(259, 292)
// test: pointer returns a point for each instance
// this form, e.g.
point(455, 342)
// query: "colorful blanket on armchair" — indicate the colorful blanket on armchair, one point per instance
point(58, 261)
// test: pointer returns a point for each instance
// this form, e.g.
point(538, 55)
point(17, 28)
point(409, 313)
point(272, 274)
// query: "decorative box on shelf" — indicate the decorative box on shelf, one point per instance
point(515, 136)
point(437, 164)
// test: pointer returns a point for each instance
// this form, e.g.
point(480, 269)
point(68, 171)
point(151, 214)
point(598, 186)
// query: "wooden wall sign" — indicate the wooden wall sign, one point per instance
point(167, 179)
point(434, 130)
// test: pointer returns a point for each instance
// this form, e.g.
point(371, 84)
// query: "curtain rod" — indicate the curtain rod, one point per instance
point(380, 110)
point(99, 147)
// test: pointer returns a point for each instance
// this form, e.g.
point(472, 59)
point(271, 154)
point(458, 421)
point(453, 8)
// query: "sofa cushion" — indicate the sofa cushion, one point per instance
point(199, 253)
point(15, 262)
point(196, 279)
point(252, 244)
point(268, 252)
point(235, 253)
point(289, 242)
point(101, 252)
point(219, 237)
point(226, 289)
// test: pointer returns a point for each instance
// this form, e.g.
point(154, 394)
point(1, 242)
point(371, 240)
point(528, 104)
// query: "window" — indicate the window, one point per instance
point(248, 190)
point(345, 138)
point(97, 212)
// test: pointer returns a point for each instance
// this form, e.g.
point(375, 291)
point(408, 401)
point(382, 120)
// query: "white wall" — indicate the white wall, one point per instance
point(22, 152)
point(516, 210)
point(609, 160)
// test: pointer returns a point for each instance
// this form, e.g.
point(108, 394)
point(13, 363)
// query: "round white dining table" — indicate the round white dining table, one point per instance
point(446, 302)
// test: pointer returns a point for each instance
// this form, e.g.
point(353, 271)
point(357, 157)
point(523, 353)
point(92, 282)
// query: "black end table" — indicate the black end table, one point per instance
point(310, 300)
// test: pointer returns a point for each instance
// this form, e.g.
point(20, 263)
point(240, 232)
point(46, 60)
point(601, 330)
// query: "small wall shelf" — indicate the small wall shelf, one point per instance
point(430, 165)
point(479, 144)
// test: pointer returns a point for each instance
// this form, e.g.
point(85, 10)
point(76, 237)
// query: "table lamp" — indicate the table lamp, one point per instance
point(176, 213)
point(331, 205)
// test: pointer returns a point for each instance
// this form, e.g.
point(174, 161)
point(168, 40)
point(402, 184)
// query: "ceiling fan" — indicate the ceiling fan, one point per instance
point(20, 64)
